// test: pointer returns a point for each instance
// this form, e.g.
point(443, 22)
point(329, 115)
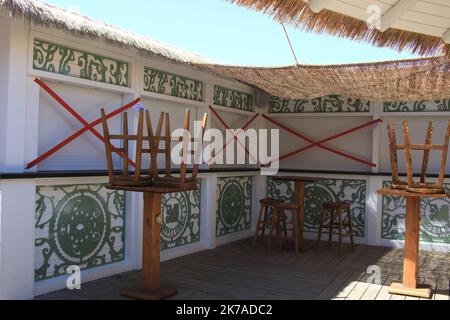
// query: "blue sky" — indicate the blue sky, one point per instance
point(226, 33)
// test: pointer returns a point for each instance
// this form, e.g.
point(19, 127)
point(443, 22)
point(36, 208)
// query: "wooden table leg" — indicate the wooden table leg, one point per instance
point(409, 286)
point(151, 289)
point(299, 198)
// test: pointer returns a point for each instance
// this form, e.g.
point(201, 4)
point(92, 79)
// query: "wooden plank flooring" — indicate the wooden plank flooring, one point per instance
point(238, 271)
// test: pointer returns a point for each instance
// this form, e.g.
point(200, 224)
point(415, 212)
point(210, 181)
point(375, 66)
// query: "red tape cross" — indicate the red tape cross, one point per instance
point(235, 135)
point(87, 126)
point(320, 144)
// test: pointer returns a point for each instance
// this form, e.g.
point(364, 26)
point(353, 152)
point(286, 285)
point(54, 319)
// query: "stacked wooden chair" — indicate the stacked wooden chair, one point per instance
point(151, 176)
point(152, 185)
point(411, 185)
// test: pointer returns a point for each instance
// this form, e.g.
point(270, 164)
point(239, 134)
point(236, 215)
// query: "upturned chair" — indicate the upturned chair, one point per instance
point(411, 185)
point(124, 177)
point(137, 178)
point(182, 180)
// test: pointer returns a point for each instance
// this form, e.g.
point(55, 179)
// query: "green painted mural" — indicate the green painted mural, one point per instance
point(320, 192)
point(81, 225)
point(234, 208)
point(165, 83)
point(327, 104)
point(233, 99)
point(55, 58)
point(434, 224)
point(181, 219)
point(418, 106)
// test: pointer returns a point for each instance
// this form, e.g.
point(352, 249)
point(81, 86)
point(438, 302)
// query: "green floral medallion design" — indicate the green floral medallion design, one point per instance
point(418, 106)
point(324, 191)
point(55, 58)
point(81, 225)
point(234, 208)
point(434, 224)
point(181, 219)
point(161, 82)
point(233, 99)
point(327, 104)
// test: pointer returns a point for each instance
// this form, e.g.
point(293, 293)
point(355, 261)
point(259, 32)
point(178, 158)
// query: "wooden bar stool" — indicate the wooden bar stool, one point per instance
point(278, 218)
point(336, 207)
point(263, 218)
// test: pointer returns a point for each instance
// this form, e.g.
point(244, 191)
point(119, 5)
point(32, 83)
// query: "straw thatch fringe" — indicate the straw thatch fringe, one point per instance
point(297, 13)
point(44, 14)
point(404, 80)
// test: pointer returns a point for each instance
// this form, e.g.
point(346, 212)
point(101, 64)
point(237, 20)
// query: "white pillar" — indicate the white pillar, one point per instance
point(373, 211)
point(376, 133)
point(19, 104)
point(16, 103)
point(208, 211)
point(17, 236)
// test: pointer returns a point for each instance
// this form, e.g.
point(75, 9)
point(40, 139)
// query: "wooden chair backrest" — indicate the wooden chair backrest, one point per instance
point(125, 137)
point(408, 149)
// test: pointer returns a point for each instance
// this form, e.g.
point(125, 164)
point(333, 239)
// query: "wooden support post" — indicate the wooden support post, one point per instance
point(411, 256)
point(299, 198)
point(151, 289)
point(410, 269)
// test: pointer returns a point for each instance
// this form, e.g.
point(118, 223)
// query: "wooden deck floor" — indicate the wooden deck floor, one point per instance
point(239, 271)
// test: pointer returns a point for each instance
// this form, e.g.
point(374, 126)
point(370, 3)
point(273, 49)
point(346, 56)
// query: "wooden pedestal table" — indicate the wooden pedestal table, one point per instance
point(410, 286)
point(299, 199)
point(151, 288)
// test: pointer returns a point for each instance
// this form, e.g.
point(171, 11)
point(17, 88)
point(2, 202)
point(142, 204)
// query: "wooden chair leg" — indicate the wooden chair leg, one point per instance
point(296, 234)
point(322, 223)
point(330, 231)
point(272, 230)
point(284, 226)
point(278, 230)
point(266, 213)
point(350, 228)
point(258, 224)
point(340, 230)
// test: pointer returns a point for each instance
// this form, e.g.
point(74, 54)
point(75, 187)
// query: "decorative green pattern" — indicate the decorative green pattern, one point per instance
point(81, 225)
point(233, 99)
point(181, 219)
point(434, 224)
point(58, 59)
point(327, 104)
point(172, 85)
point(418, 106)
point(234, 208)
point(324, 191)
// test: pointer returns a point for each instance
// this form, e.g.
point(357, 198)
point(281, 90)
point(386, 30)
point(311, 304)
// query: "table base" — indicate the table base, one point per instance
point(420, 292)
point(150, 295)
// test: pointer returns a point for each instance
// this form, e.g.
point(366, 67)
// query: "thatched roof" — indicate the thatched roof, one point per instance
point(44, 14)
point(405, 80)
point(422, 32)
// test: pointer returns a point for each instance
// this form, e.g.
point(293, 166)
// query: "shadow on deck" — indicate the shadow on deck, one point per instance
point(238, 271)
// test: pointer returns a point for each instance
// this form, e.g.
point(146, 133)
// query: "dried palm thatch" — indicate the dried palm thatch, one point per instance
point(41, 13)
point(404, 80)
point(297, 13)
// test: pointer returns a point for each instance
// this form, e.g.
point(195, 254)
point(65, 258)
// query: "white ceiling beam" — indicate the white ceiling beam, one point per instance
point(446, 36)
point(396, 12)
point(319, 5)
